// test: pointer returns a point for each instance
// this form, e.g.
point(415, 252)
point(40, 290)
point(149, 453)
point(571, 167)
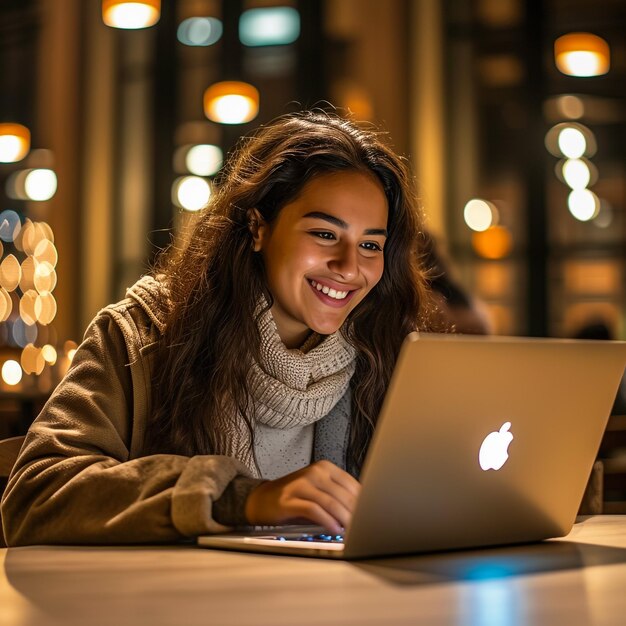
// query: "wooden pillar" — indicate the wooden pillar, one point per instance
point(58, 129)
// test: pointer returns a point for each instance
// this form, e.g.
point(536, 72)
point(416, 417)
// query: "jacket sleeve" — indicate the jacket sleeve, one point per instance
point(74, 481)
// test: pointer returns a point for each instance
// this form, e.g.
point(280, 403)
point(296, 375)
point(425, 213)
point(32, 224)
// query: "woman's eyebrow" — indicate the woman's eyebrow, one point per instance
point(343, 225)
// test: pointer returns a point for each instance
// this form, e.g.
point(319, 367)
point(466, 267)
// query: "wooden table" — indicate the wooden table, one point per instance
point(578, 580)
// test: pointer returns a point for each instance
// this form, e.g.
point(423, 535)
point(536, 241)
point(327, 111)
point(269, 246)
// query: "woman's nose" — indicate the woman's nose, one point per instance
point(345, 262)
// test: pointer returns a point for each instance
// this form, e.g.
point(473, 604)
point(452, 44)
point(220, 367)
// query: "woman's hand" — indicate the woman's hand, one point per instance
point(321, 494)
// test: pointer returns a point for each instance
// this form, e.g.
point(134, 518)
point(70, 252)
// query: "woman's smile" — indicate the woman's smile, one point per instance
point(332, 296)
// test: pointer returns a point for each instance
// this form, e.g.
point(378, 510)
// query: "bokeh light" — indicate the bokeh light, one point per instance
point(582, 54)
point(69, 345)
point(32, 234)
point(571, 140)
point(32, 360)
point(27, 280)
point(572, 143)
point(45, 277)
point(49, 354)
point(28, 312)
point(10, 272)
point(494, 243)
point(11, 372)
point(231, 102)
point(583, 204)
point(232, 109)
point(269, 26)
point(199, 31)
point(204, 159)
point(131, 15)
point(46, 252)
point(583, 63)
point(576, 173)
point(6, 304)
point(23, 333)
point(191, 193)
point(479, 214)
point(10, 226)
point(14, 142)
point(46, 231)
point(40, 184)
point(570, 106)
point(45, 308)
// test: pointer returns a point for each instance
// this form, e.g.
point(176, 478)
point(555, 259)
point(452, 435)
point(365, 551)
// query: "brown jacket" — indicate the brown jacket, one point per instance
point(81, 476)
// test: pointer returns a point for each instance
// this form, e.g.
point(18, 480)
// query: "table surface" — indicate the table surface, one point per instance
point(580, 579)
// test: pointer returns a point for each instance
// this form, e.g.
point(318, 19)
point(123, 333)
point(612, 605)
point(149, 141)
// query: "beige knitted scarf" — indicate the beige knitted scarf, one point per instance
point(294, 387)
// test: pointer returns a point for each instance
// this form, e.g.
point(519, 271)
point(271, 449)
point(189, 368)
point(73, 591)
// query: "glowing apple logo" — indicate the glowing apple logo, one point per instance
point(494, 450)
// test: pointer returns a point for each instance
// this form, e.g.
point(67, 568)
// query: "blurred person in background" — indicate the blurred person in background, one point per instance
point(461, 312)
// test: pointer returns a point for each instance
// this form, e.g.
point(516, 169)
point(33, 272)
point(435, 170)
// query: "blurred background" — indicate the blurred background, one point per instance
point(115, 116)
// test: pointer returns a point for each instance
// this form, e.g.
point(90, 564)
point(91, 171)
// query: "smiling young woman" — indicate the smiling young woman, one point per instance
point(324, 253)
point(241, 382)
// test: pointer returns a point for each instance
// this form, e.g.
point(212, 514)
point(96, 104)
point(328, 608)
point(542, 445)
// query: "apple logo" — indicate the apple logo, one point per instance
point(494, 449)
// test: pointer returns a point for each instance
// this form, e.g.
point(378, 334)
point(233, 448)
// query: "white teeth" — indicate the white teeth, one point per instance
point(333, 293)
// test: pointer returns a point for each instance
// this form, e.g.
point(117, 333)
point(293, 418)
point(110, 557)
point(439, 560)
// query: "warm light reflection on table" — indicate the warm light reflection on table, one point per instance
point(579, 580)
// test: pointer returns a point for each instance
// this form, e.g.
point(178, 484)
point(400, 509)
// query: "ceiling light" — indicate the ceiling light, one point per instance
point(269, 26)
point(14, 142)
point(231, 102)
point(582, 54)
point(131, 15)
point(199, 31)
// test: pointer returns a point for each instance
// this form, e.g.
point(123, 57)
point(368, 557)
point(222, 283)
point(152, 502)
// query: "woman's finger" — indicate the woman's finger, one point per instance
point(341, 477)
point(316, 514)
point(332, 503)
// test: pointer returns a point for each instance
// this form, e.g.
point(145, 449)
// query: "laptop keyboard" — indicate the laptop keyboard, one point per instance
point(310, 537)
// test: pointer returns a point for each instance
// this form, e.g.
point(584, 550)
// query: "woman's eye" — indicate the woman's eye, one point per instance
point(371, 245)
point(322, 234)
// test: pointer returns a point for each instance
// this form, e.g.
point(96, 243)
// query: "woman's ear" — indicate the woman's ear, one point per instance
point(258, 228)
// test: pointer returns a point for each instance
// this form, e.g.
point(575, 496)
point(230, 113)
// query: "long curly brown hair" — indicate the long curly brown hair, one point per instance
point(215, 284)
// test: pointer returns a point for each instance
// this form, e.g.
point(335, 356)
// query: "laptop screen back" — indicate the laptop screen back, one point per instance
point(546, 401)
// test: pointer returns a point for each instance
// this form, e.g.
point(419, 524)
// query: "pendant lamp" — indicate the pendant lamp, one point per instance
point(131, 15)
point(582, 54)
point(14, 142)
point(231, 102)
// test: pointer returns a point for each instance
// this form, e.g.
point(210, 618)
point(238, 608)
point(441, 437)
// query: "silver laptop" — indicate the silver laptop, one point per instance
point(481, 441)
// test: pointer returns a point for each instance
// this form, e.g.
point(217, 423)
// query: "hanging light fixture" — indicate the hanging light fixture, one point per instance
point(582, 54)
point(14, 142)
point(269, 26)
point(132, 14)
point(231, 102)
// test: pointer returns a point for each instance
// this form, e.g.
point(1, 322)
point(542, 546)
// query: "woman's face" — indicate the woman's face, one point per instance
point(324, 253)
